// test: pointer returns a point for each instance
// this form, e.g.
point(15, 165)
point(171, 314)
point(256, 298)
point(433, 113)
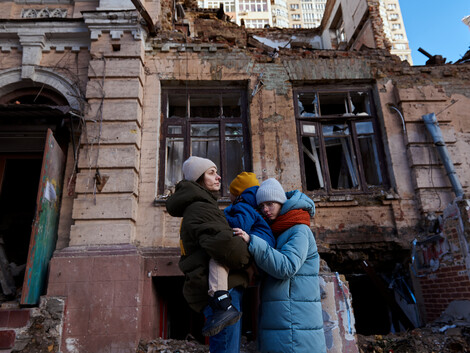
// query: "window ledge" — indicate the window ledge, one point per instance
point(337, 203)
point(160, 201)
point(382, 197)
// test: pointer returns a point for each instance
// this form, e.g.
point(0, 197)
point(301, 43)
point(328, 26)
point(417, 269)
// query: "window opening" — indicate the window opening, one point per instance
point(339, 140)
point(341, 161)
point(207, 123)
point(337, 30)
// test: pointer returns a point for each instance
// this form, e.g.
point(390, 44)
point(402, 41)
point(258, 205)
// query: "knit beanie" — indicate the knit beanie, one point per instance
point(270, 190)
point(194, 167)
point(242, 182)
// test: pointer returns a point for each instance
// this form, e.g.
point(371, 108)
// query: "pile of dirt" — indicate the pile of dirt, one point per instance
point(161, 345)
point(448, 339)
point(190, 345)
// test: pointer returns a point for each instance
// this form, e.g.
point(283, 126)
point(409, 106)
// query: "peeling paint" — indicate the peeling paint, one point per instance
point(329, 326)
point(72, 345)
point(274, 118)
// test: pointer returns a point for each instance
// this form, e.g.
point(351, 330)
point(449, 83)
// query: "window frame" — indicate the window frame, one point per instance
point(185, 123)
point(321, 120)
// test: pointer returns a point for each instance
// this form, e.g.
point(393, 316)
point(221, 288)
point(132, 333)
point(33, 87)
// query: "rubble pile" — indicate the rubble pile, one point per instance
point(161, 345)
point(190, 345)
point(422, 340)
point(450, 333)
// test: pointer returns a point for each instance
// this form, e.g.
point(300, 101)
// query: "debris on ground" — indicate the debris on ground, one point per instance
point(446, 339)
point(450, 333)
point(189, 345)
point(420, 340)
point(161, 345)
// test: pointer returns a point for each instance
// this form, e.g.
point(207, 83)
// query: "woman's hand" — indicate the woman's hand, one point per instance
point(241, 233)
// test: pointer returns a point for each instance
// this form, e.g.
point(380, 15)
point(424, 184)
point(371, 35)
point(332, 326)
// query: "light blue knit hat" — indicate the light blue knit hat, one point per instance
point(270, 190)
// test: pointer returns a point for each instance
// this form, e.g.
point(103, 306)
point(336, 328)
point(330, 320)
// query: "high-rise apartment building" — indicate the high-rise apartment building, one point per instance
point(277, 13)
point(305, 13)
point(312, 12)
point(280, 13)
point(254, 13)
point(309, 14)
point(394, 29)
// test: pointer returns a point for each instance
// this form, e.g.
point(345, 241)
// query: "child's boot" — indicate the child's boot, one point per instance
point(223, 313)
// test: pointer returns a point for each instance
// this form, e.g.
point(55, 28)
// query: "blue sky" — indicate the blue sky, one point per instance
point(437, 27)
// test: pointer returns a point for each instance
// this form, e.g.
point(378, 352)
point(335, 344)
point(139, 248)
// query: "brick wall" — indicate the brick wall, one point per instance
point(440, 288)
point(451, 280)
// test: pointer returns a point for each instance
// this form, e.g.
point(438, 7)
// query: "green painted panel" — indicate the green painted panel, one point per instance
point(44, 231)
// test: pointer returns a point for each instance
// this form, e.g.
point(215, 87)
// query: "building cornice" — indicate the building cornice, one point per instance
point(115, 23)
point(53, 35)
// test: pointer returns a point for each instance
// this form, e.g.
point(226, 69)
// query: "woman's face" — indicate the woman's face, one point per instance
point(211, 179)
point(270, 209)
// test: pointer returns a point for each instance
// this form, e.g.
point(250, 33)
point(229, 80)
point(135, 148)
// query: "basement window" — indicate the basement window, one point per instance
point(204, 122)
point(338, 139)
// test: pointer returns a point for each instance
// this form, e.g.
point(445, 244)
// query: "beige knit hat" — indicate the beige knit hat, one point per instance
point(194, 167)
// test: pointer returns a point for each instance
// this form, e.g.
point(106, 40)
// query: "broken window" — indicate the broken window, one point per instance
point(209, 123)
point(339, 140)
point(337, 31)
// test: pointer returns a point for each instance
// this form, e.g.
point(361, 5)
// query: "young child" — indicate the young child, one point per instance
point(241, 214)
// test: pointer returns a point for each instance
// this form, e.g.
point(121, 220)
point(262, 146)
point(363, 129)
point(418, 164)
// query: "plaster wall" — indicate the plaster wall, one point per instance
point(365, 37)
point(274, 146)
point(351, 13)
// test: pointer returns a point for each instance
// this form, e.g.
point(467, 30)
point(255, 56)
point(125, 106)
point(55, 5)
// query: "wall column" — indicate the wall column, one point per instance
point(102, 275)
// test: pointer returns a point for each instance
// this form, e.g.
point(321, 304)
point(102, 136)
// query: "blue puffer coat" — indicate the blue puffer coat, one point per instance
point(291, 313)
point(242, 214)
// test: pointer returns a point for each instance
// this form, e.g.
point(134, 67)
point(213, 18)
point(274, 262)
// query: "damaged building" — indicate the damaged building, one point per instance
point(100, 103)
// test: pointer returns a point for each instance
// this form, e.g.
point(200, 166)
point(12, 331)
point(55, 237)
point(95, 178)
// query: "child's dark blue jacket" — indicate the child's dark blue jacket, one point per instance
point(242, 214)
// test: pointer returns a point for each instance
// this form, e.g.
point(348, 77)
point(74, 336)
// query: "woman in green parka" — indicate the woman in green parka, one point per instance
point(205, 234)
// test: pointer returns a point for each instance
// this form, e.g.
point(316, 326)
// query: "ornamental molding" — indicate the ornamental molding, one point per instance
point(44, 13)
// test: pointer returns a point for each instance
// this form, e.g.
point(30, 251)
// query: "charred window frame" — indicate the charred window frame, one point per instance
point(339, 140)
point(204, 122)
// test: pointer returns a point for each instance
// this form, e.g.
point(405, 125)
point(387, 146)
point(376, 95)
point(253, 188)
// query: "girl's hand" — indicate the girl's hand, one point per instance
point(241, 233)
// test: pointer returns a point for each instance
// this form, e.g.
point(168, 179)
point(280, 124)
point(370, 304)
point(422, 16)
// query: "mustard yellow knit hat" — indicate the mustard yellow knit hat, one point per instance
point(242, 182)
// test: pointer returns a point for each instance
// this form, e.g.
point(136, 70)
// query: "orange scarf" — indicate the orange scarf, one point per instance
point(289, 219)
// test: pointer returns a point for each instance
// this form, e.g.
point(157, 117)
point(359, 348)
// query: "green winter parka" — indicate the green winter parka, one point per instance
point(205, 234)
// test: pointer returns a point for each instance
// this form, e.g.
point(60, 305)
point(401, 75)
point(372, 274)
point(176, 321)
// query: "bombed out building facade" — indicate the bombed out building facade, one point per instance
point(102, 101)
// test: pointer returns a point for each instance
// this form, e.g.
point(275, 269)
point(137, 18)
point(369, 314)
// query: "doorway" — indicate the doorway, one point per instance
point(25, 119)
